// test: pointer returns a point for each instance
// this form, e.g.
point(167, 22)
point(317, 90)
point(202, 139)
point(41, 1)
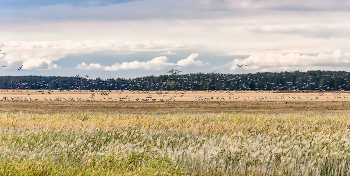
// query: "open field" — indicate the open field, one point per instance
point(175, 144)
point(133, 107)
point(55, 95)
point(227, 137)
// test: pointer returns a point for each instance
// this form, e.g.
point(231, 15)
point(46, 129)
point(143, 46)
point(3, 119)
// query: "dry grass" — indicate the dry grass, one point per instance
point(174, 138)
point(44, 107)
point(183, 144)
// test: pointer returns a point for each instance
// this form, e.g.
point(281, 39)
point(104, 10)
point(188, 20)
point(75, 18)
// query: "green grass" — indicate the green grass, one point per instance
point(134, 164)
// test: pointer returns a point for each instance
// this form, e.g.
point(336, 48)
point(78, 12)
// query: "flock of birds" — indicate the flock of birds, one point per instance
point(212, 81)
point(163, 96)
point(174, 72)
point(147, 95)
point(281, 96)
point(79, 84)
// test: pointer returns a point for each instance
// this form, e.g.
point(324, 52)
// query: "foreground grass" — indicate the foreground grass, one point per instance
point(177, 144)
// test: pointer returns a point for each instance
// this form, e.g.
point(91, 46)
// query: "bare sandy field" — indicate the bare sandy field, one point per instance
point(55, 95)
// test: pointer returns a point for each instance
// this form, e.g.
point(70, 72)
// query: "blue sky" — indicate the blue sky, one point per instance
point(37, 3)
point(120, 38)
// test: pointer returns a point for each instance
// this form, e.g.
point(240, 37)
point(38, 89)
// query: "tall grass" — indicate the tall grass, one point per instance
point(176, 144)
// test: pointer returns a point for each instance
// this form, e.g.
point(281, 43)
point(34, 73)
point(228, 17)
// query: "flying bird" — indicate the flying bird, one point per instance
point(4, 66)
point(20, 68)
point(242, 65)
point(170, 71)
point(174, 72)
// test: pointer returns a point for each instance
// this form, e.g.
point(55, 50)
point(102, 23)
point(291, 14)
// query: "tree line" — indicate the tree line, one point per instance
point(296, 80)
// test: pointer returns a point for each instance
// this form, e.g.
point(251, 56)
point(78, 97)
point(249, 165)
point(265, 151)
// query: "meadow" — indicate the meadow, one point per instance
point(235, 133)
point(174, 138)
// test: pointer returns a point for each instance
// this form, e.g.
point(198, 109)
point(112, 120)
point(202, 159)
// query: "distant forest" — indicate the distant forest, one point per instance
point(310, 80)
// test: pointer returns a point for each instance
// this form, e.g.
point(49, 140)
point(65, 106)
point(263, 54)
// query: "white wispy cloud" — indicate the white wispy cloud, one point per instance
point(41, 55)
point(92, 66)
point(158, 63)
point(169, 53)
point(39, 64)
point(290, 61)
point(182, 9)
point(279, 34)
point(190, 60)
point(306, 30)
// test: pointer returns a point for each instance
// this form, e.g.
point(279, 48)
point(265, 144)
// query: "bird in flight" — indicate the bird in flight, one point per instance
point(4, 66)
point(20, 68)
point(174, 72)
point(242, 65)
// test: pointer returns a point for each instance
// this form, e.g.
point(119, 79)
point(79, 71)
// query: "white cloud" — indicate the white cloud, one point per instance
point(305, 30)
point(157, 63)
point(241, 26)
point(38, 55)
point(39, 64)
point(169, 53)
point(252, 28)
point(184, 9)
point(92, 66)
point(41, 55)
point(291, 61)
point(190, 60)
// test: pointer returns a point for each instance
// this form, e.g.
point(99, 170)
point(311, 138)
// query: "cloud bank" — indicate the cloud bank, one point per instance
point(290, 62)
point(157, 63)
point(39, 64)
point(271, 35)
point(42, 55)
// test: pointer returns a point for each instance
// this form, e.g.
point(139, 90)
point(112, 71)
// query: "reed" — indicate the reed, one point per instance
point(175, 144)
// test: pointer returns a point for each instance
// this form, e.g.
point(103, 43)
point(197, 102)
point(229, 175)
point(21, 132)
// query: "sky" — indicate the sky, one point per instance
point(133, 38)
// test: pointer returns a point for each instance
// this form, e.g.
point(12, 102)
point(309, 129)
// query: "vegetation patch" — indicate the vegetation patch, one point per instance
point(175, 144)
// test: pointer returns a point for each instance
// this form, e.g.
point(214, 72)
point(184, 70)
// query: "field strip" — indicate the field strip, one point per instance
point(175, 107)
point(55, 95)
